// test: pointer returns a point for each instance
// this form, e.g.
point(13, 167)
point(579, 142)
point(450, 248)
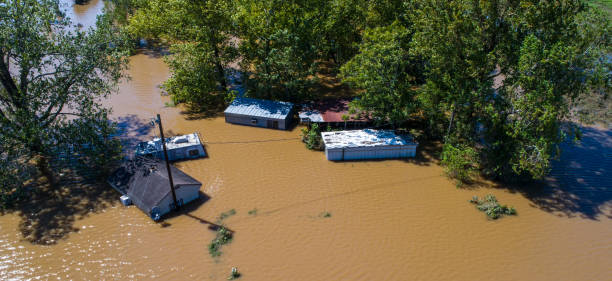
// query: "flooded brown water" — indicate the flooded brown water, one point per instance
point(390, 220)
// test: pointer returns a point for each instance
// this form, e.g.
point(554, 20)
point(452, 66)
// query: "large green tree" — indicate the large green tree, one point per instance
point(278, 46)
point(199, 34)
point(502, 74)
point(53, 76)
point(384, 69)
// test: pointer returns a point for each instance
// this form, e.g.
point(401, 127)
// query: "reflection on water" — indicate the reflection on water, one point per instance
point(82, 14)
point(390, 220)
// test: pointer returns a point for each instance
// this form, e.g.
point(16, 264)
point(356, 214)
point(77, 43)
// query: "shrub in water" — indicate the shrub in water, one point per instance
point(458, 161)
point(312, 137)
point(223, 237)
point(491, 207)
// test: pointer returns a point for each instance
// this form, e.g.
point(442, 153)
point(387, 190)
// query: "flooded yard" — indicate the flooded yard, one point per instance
point(301, 217)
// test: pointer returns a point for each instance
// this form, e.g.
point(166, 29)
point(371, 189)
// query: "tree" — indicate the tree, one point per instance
point(384, 70)
point(278, 47)
point(502, 75)
point(53, 76)
point(199, 33)
point(343, 22)
point(194, 79)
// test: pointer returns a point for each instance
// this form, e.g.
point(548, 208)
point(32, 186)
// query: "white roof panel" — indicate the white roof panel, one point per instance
point(363, 138)
point(260, 108)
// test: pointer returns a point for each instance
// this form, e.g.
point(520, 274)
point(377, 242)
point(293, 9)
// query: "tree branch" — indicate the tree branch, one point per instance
point(7, 79)
point(47, 74)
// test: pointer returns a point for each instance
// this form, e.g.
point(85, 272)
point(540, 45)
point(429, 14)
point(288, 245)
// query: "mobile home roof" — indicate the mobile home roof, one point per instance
point(260, 108)
point(361, 138)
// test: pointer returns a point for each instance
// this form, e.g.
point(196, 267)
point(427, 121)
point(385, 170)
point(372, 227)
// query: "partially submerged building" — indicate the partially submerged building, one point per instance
point(367, 144)
point(145, 182)
point(334, 112)
point(179, 148)
point(260, 113)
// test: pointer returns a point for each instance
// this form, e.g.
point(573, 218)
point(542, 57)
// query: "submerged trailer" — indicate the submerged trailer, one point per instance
point(260, 113)
point(179, 148)
point(367, 144)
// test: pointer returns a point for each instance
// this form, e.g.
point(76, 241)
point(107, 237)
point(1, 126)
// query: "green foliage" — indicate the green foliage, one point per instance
point(120, 10)
point(312, 137)
point(494, 78)
point(604, 5)
point(253, 212)
point(223, 236)
point(383, 69)
point(277, 47)
point(325, 214)
point(491, 207)
point(194, 77)
point(53, 76)
point(226, 215)
point(199, 36)
point(502, 75)
point(460, 162)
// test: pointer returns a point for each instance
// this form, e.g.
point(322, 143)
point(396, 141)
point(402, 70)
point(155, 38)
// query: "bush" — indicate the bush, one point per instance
point(459, 162)
point(312, 137)
point(224, 236)
point(491, 207)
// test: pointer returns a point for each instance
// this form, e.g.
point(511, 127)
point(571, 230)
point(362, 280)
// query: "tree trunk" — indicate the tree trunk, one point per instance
point(42, 163)
point(267, 70)
point(219, 67)
point(450, 124)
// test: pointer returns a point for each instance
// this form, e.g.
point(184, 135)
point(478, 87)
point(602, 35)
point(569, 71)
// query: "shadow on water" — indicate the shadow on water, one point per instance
point(580, 183)
point(196, 112)
point(49, 214)
point(132, 130)
point(187, 208)
point(187, 211)
point(154, 51)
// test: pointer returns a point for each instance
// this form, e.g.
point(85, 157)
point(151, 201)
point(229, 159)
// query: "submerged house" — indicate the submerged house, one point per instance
point(332, 112)
point(145, 182)
point(260, 113)
point(367, 144)
point(179, 148)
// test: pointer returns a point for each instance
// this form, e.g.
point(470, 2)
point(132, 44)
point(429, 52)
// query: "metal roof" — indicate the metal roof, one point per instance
point(330, 111)
point(361, 138)
point(312, 115)
point(175, 142)
point(260, 108)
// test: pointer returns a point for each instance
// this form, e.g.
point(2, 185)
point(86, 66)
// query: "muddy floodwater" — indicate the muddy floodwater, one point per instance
point(390, 220)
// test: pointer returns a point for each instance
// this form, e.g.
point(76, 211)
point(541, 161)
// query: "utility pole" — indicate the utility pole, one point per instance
point(163, 140)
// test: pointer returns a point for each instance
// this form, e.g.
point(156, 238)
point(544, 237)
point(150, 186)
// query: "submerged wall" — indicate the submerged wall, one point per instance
point(255, 121)
point(370, 152)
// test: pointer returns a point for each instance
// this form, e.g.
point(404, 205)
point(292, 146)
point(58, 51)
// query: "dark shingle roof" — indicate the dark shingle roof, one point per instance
point(145, 181)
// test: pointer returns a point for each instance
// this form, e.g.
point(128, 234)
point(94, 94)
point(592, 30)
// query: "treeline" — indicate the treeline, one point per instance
point(495, 80)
